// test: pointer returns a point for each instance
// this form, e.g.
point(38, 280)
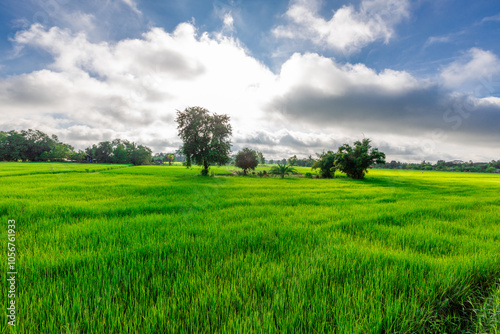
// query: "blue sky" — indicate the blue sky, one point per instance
point(421, 78)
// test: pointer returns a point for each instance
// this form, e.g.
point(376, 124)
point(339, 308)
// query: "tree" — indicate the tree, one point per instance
point(354, 161)
point(261, 159)
point(170, 157)
point(205, 137)
point(77, 156)
point(120, 155)
point(120, 151)
point(282, 170)
point(141, 155)
point(292, 161)
point(326, 164)
point(12, 146)
point(246, 159)
point(37, 143)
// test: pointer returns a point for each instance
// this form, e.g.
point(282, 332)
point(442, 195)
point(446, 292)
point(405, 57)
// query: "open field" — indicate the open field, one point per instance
point(154, 249)
point(14, 169)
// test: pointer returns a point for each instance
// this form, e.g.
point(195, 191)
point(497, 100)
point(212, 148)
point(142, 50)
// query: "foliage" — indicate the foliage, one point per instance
point(246, 159)
point(77, 156)
point(32, 145)
point(282, 170)
point(448, 166)
point(170, 158)
point(326, 164)
point(354, 161)
point(205, 137)
point(309, 175)
point(292, 161)
point(262, 159)
point(262, 173)
point(120, 151)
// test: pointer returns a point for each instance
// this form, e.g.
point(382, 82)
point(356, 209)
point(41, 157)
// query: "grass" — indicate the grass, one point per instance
point(15, 169)
point(154, 249)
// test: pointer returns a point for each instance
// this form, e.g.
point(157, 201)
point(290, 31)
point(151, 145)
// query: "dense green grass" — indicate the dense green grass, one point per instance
point(161, 249)
point(13, 169)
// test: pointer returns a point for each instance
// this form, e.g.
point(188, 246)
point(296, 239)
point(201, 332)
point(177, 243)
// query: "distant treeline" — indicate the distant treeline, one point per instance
point(449, 166)
point(34, 145)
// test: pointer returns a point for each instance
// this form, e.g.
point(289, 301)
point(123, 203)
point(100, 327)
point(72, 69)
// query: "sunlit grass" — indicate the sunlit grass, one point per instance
point(154, 249)
point(13, 169)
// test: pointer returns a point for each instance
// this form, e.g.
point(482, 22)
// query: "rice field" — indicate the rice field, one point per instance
point(159, 249)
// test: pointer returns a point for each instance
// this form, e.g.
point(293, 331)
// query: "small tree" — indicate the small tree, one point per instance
point(282, 170)
point(292, 161)
point(170, 157)
point(246, 159)
point(326, 164)
point(205, 137)
point(261, 159)
point(354, 161)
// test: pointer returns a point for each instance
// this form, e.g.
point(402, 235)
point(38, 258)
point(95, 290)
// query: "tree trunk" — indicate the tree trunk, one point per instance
point(205, 165)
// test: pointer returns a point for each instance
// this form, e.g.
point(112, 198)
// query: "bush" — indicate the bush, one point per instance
point(262, 173)
point(326, 165)
point(246, 159)
point(309, 175)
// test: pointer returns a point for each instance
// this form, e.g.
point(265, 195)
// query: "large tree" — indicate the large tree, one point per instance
point(246, 159)
point(205, 137)
point(354, 161)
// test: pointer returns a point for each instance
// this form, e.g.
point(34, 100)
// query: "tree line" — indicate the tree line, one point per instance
point(446, 166)
point(35, 145)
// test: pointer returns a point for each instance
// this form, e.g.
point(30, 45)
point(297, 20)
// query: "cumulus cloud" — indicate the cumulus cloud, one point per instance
point(472, 70)
point(348, 30)
point(322, 93)
point(228, 22)
point(135, 83)
point(131, 89)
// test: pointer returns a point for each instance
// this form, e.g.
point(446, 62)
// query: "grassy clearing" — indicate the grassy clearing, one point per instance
point(159, 249)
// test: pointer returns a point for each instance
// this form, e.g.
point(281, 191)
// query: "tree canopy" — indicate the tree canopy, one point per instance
point(120, 151)
point(354, 161)
point(205, 137)
point(246, 159)
point(326, 164)
point(32, 145)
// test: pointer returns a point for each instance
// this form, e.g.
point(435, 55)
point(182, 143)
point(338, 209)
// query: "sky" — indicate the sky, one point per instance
point(420, 78)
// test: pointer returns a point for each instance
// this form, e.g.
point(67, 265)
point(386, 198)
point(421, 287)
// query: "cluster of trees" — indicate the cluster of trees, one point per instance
point(449, 166)
point(119, 151)
point(206, 141)
point(163, 158)
point(34, 145)
point(352, 160)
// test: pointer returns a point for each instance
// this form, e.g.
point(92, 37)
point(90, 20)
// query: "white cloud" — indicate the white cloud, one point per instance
point(131, 89)
point(133, 5)
point(228, 21)
point(134, 86)
point(491, 18)
point(349, 29)
point(472, 71)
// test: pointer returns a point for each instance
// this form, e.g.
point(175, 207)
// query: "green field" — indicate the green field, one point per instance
point(159, 249)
